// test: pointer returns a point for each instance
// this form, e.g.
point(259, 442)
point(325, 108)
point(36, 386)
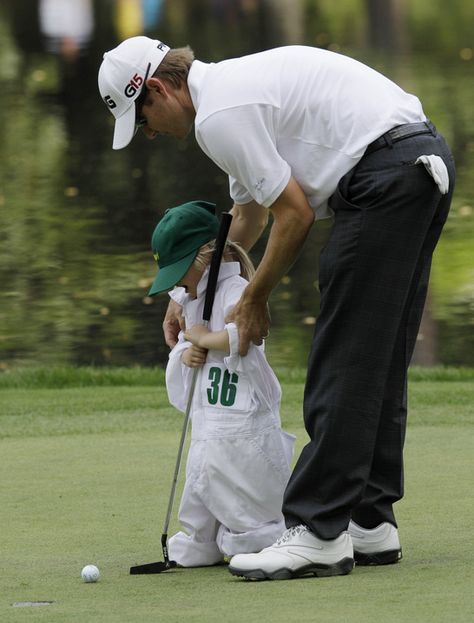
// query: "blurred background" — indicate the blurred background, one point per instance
point(76, 217)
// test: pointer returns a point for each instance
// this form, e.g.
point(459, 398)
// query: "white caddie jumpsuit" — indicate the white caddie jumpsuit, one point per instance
point(238, 462)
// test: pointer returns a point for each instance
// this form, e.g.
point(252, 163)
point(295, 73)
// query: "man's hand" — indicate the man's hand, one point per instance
point(194, 357)
point(252, 319)
point(173, 323)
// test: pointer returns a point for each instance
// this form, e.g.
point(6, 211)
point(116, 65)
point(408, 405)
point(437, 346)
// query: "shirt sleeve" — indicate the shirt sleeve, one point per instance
point(239, 193)
point(256, 369)
point(241, 141)
point(178, 376)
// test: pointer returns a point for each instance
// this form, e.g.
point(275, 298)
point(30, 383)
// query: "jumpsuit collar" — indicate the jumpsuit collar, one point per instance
point(226, 270)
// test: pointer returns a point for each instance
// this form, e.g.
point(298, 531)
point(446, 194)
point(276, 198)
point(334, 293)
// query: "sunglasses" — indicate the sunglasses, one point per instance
point(140, 120)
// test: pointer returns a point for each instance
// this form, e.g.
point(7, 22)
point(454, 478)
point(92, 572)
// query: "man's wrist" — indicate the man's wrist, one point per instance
point(257, 292)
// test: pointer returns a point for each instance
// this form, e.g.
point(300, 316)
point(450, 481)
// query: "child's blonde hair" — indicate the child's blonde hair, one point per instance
point(233, 252)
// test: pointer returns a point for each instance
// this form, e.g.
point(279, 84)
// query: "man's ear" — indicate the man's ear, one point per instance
point(158, 85)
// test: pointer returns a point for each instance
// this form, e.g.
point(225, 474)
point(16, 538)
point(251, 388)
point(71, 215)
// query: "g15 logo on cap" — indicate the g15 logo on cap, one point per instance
point(134, 84)
point(110, 102)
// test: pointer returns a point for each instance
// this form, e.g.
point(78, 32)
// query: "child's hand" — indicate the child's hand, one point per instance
point(195, 334)
point(194, 357)
point(200, 336)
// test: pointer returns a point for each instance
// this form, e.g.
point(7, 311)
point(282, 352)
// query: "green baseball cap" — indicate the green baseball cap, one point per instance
point(177, 239)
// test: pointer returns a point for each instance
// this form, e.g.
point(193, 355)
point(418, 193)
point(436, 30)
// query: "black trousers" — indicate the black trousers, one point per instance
point(373, 280)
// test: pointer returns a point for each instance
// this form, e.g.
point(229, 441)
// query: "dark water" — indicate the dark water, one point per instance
point(76, 217)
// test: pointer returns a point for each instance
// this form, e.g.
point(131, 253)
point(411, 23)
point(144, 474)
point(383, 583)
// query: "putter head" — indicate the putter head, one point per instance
point(153, 567)
point(156, 567)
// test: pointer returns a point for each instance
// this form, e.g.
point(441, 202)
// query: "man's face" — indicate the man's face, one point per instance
point(162, 112)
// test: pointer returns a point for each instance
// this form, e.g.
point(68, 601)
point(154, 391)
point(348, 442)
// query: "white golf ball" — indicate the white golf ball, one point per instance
point(90, 573)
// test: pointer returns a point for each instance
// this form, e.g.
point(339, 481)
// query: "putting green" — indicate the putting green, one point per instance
point(85, 477)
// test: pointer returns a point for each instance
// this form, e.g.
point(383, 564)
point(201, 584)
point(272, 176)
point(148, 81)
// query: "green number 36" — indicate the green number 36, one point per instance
point(225, 391)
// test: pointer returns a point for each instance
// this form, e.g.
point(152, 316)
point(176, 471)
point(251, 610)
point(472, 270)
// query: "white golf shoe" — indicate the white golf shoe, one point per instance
point(297, 552)
point(378, 546)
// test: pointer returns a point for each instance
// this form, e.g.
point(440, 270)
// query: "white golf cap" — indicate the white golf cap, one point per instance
point(121, 79)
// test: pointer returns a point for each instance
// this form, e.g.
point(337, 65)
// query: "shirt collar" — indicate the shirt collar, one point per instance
point(196, 77)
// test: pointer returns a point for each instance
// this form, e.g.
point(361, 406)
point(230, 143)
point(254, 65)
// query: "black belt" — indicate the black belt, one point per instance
point(399, 133)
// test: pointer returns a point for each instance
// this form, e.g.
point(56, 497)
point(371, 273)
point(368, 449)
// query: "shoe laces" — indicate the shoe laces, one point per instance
point(290, 533)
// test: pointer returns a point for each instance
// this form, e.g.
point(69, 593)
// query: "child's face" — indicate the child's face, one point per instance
point(190, 281)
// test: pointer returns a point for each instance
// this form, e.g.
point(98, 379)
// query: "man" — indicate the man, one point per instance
point(308, 133)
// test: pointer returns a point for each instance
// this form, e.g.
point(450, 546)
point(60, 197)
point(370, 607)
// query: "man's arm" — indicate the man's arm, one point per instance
point(292, 220)
point(172, 323)
point(248, 222)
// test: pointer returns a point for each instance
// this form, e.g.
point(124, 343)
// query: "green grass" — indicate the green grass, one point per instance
point(60, 377)
point(85, 477)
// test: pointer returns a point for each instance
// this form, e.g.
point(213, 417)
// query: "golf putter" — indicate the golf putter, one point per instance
point(166, 563)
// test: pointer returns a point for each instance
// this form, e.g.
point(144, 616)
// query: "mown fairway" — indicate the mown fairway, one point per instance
point(86, 463)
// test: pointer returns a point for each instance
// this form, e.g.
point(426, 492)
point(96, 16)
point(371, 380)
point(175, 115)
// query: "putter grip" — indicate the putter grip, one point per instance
point(226, 219)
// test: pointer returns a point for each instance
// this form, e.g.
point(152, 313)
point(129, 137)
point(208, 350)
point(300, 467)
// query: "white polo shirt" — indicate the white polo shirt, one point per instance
point(292, 111)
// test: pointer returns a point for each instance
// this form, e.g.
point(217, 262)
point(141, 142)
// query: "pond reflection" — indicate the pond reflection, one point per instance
point(76, 217)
